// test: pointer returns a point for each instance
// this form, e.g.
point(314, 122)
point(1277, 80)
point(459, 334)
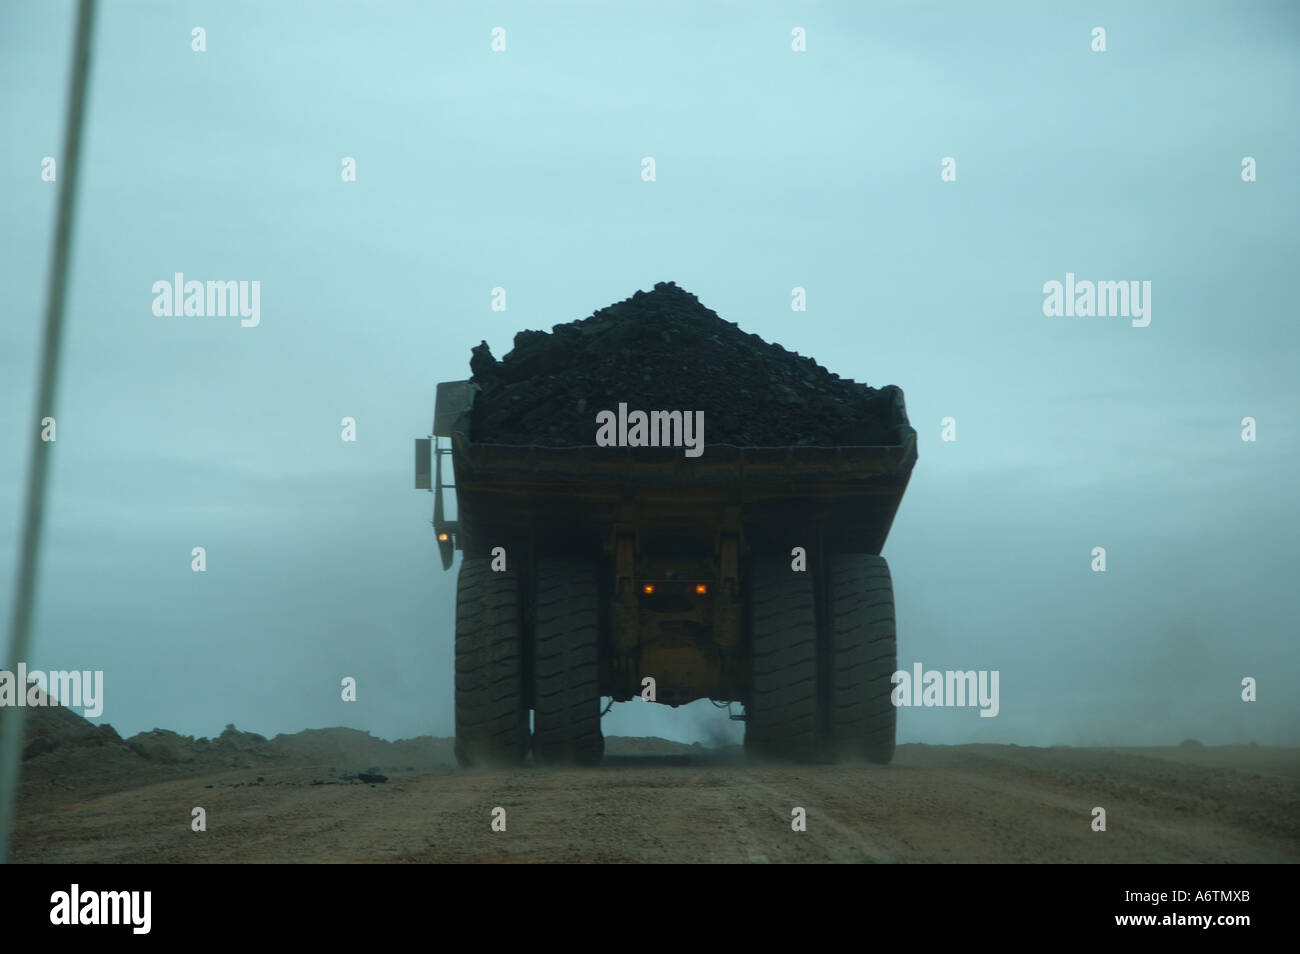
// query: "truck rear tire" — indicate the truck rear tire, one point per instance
point(863, 658)
point(491, 718)
point(566, 675)
point(781, 713)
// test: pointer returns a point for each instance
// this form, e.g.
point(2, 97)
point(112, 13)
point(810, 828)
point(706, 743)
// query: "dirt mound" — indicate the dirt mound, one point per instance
point(350, 748)
point(47, 728)
point(664, 350)
point(637, 745)
point(346, 749)
point(232, 748)
point(83, 745)
point(54, 729)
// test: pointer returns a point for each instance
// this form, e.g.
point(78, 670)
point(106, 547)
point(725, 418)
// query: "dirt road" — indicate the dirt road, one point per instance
point(980, 803)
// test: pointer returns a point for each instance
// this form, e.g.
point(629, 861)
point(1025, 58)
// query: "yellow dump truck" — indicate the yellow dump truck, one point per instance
point(747, 575)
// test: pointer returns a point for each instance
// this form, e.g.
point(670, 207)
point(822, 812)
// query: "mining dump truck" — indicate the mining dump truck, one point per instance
point(748, 575)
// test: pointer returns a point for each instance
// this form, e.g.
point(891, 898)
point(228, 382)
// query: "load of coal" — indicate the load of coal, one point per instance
point(663, 350)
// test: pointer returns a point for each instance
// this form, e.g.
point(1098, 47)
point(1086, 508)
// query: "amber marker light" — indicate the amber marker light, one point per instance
point(442, 537)
point(648, 589)
point(701, 589)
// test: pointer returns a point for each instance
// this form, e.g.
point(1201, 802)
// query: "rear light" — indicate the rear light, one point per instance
point(648, 589)
point(701, 589)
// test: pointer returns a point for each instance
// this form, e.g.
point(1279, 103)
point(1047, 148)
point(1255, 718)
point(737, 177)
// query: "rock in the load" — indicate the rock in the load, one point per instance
point(664, 350)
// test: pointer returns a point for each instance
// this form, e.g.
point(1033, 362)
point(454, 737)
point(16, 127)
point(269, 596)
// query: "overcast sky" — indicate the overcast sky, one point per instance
point(775, 169)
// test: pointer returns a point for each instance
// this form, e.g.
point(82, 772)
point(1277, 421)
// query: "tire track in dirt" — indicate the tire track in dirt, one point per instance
point(829, 838)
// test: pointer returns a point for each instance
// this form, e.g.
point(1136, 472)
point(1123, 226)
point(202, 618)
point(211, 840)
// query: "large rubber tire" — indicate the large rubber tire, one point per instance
point(566, 677)
point(863, 658)
point(781, 713)
point(491, 717)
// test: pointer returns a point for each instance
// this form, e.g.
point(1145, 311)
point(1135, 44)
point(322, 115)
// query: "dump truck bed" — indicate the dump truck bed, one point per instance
point(574, 496)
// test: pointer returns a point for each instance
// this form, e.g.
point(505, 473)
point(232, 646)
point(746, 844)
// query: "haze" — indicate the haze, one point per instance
point(775, 170)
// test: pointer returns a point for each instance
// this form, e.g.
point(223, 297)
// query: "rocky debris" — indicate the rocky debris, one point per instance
point(48, 727)
point(232, 748)
point(352, 747)
point(162, 745)
point(371, 777)
point(664, 350)
point(54, 736)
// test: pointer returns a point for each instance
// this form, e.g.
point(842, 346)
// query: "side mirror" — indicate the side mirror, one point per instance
point(423, 464)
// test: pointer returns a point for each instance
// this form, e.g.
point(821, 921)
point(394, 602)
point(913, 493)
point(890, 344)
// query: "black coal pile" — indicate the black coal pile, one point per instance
point(662, 351)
